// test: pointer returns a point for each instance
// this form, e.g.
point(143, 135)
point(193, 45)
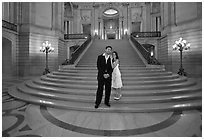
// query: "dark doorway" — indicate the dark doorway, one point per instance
point(110, 36)
point(87, 28)
point(136, 26)
point(6, 56)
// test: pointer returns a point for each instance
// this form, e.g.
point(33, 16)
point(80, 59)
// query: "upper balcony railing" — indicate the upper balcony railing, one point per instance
point(9, 25)
point(76, 36)
point(146, 34)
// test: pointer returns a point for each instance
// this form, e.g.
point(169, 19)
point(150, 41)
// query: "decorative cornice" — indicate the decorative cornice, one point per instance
point(75, 6)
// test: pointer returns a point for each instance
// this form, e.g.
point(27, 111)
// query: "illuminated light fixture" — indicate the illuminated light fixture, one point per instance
point(46, 47)
point(125, 30)
point(111, 12)
point(96, 32)
point(152, 53)
point(181, 45)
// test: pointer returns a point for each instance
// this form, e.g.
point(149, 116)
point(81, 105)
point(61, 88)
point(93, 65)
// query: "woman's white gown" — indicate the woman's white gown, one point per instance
point(116, 78)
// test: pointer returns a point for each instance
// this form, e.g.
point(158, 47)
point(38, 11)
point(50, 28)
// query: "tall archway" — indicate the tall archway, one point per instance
point(104, 19)
point(111, 23)
point(6, 57)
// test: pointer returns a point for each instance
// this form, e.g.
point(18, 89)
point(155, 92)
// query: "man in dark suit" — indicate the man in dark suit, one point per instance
point(104, 76)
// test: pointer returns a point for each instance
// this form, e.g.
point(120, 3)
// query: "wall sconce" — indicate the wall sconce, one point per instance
point(181, 45)
point(125, 31)
point(96, 32)
point(46, 47)
point(151, 53)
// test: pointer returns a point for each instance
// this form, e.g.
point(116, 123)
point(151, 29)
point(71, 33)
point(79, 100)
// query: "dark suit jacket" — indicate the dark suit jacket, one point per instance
point(103, 67)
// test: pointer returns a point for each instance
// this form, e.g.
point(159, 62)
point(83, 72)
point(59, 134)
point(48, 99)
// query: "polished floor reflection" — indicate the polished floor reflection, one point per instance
point(20, 119)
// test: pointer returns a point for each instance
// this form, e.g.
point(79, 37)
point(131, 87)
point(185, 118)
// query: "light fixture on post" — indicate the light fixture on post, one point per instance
point(46, 47)
point(96, 32)
point(181, 45)
point(125, 31)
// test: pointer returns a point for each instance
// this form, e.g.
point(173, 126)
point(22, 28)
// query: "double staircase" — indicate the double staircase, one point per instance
point(146, 88)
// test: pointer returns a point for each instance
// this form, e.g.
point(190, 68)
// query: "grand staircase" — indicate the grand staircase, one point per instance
point(146, 88)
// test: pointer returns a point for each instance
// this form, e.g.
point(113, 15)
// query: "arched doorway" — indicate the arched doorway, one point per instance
point(6, 57)
point(111, 24)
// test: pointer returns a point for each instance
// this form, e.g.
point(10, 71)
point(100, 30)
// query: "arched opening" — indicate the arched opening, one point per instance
point(6, 57)
point(111, 24)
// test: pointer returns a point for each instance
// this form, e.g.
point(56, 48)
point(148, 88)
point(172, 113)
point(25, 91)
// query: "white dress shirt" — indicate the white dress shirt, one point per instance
point(106, 57)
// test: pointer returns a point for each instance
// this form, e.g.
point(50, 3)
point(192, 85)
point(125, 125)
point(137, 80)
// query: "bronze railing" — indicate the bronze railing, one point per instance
point(146, 34)
point(77, 52)
point(146, 54)
point(152, 59)
point(9, 25)
point(76, 36)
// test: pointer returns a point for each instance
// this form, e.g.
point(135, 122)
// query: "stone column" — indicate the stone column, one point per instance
point(128, 17)
point(65, 29)
point(75, 21)
point(147, 26)
point(102, 29)
point(121, 30)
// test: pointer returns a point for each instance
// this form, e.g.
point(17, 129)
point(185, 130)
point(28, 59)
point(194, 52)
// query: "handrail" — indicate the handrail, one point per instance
point(146, 34)
point(77, 52)
point(143, 51)
point(146, 54)
point(76, 36)
point(150, 48)
point(9, 25)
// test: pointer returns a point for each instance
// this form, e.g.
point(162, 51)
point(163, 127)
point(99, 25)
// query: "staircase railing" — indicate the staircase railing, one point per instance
point(146, 34)
point(146, 54)
point(150, 48)
point(9, 25)
point(77, 52)
point(76, 36)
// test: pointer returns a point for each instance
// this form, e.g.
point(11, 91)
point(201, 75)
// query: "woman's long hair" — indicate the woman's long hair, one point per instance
point(116, 54)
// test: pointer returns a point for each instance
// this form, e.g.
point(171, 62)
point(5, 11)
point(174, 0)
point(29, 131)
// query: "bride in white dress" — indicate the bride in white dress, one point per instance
point(116, 76)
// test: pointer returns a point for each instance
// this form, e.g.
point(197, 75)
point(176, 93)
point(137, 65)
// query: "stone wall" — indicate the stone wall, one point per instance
point(41, 22)
point(181, 20)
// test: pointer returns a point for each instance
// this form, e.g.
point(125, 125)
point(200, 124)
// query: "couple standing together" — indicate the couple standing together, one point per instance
point(108, 76)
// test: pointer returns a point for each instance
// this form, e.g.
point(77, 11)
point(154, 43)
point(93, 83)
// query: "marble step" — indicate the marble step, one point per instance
point(122, 61)
point(90, 74)
point(86, 67)
point(128, 92)
point(141, 78)
point(93, 59)
point(125, 82)
point(127, 87)
point(154, 107)
point(121, 66)
point(122, 71)
point(124, 99)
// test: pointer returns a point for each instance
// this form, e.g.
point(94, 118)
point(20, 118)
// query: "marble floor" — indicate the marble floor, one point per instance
point(20, 119)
